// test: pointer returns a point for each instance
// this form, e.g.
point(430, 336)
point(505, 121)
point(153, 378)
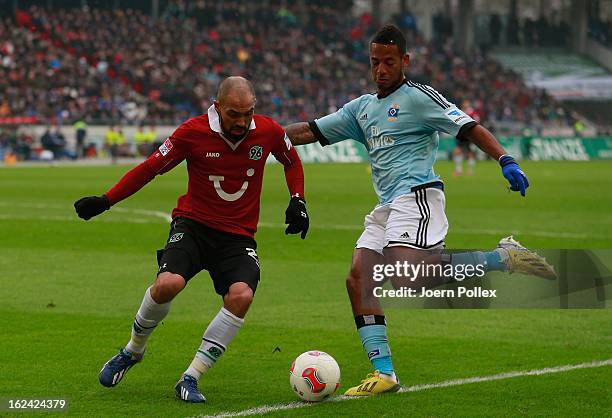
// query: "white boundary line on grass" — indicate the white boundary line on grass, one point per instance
point(168, 218)
point(154, 213)
point(470, 231)
point(418, 388)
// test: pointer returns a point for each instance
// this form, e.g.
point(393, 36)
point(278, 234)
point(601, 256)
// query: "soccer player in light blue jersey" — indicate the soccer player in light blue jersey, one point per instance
point(399, 127)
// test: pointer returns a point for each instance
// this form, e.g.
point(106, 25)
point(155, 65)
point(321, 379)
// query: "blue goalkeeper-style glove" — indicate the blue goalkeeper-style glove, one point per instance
point(513, 173)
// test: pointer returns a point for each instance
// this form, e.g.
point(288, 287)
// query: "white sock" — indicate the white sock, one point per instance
point(148, 316)
point(220, 332)
point(458, 159)
point(471, 163)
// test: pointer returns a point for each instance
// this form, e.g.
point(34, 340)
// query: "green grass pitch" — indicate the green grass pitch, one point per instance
point(70, 288)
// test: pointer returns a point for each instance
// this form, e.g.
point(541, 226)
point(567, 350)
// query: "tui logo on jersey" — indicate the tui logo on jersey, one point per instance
point(230, 197)
point(256, 152)
point(393, 112)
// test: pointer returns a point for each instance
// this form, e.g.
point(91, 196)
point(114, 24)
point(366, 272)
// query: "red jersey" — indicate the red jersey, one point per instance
point(225, 178)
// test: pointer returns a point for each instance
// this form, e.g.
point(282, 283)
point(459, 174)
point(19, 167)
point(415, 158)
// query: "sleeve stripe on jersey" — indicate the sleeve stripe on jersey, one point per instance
point(317, 133)
point(463, 130)
point(433, 91)
point(433, 95)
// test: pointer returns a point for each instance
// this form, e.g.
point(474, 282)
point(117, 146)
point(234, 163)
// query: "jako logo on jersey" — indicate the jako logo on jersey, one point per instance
point(165, 147)
point(213, 154)
point(455, 115)
point(255, 152)
point(230, 197)
point(393, 112)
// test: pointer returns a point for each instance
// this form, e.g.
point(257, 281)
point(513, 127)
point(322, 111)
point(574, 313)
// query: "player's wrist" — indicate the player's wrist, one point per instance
point(506, 159)
point(106, 201)
point(110, 199)
point(299, 197)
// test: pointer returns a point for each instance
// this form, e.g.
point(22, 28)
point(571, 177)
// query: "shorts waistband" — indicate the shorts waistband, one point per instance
point(433, 184)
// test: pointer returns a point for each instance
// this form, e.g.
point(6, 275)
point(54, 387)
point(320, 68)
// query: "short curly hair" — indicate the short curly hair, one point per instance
point(390, 35)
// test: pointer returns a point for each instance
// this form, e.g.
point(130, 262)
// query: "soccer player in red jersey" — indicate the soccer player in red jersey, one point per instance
point(213, 225)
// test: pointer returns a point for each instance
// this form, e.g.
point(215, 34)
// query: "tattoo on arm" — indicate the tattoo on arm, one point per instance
point(300, 133)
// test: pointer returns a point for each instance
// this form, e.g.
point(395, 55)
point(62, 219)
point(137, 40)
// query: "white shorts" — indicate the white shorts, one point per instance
point(415, 220)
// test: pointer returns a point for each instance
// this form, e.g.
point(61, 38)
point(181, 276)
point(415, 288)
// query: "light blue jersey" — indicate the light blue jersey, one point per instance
point(400, 132)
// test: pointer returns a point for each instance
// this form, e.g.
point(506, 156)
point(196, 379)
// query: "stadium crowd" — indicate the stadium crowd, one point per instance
point(540, 32)
point(601, 31)
point(305, 59)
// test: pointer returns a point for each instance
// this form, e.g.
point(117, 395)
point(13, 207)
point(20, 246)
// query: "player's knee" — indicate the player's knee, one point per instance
point(167, 286)
point(239, 296)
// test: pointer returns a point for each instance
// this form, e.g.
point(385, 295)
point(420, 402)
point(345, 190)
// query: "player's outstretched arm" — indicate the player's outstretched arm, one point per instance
point(485, 140)
point(161, 161)
point(134, 180)
point(300, 133)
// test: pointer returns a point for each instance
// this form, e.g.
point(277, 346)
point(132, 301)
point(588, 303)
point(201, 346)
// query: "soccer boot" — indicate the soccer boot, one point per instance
point(519, 259)
point(113, 370)
point(376, 383)
point(186, 389)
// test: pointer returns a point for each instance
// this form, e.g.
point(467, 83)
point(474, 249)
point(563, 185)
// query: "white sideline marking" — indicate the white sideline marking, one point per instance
point(168, 218)
point(155, 213)
point(496, 232)
point(418, 388)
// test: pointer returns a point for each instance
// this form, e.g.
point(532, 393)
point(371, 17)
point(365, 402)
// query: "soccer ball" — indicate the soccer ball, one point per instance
point(314, 375)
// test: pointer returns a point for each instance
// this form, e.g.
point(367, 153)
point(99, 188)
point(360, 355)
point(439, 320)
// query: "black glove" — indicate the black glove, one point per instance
point(296, 217)
point(90, 206)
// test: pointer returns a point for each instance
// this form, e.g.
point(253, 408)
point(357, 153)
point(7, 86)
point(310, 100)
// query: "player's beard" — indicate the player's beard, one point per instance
point(235, 138)
point(229, 135)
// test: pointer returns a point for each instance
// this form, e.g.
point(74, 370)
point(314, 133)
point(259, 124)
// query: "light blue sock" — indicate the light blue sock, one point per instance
point(490, 259)
point(494, 261)
point(375, 343)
